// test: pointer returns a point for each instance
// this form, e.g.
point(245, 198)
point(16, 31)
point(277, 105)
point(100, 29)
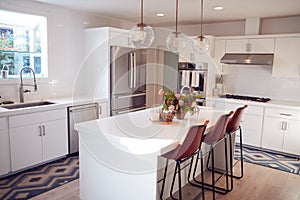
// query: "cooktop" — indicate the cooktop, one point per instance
point(247, 98)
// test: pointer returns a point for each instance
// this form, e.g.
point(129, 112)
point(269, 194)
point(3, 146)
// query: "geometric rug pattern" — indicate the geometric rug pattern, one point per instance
point(35, 181)
point(269, 159)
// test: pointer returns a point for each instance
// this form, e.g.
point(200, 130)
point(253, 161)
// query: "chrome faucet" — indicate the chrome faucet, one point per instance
point(183, 89)
point(21, 88)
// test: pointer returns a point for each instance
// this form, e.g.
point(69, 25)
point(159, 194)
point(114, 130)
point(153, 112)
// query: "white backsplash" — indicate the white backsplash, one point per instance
point(258, 81)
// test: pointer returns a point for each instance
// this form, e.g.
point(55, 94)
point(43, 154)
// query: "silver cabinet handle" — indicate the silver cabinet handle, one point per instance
point(40, 129)
point(286, 114)
point(100, 110)
point(44, 130)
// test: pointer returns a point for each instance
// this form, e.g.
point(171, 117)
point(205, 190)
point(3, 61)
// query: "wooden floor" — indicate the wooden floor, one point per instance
point(258, 183)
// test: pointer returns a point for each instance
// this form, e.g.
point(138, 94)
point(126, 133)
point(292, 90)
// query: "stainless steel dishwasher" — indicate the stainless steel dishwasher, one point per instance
point(77, 114)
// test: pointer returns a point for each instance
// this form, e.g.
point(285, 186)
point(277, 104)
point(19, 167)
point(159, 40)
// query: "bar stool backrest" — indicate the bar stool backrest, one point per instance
point(218, 130)
point(192, 142)
point(235, 120)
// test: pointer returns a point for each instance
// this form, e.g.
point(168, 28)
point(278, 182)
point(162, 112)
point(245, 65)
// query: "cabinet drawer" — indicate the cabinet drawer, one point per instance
point(39, 117)
point(282, 113)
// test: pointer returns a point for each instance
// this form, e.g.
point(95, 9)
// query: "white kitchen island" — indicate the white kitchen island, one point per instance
point(120, 155)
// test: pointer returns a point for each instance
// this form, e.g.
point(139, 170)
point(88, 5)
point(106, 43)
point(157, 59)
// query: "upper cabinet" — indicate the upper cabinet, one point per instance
point(286, 57)
point(257, 45)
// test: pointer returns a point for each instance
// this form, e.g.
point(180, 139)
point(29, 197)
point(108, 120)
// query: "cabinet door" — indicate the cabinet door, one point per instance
point(236, 46)
point(272, 134)
point(252, 129)
point(26, 146)
point(4, 152)
point(259, 45)
point(220, 46)
point(286, 58)
point(292, 137)
point(55, 139)
point(262, 45)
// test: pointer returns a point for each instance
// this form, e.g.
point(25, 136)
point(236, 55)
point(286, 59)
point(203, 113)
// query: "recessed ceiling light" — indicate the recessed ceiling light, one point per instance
point(218, 7)
point(160, 14)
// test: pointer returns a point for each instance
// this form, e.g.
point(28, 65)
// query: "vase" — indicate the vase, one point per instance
point(180, 114)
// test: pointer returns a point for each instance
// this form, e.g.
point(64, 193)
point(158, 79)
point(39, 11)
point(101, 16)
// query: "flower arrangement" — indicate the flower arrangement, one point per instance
point(170, 99)
point(180, 103)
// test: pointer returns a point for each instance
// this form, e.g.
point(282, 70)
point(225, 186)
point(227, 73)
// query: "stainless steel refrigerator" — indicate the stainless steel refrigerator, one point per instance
point(128, 74)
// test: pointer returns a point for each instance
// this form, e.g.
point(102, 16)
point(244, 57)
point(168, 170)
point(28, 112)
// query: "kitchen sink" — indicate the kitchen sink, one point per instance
point(26, 105)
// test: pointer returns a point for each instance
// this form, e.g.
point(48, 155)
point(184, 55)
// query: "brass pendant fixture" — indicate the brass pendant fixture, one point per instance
point(201, 44)
point(141, 35)
point(176, 41)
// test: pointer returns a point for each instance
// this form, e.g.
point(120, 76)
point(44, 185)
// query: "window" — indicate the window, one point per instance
point(23, 43)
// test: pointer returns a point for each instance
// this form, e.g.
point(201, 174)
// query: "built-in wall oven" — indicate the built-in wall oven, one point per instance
point(77, 114)
point(193, 75)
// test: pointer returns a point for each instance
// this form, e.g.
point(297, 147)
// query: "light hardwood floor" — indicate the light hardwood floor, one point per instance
point(258, 183)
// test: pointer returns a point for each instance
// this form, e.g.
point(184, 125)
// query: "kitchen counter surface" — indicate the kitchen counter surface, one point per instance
point(59, 103)
point(272, 103)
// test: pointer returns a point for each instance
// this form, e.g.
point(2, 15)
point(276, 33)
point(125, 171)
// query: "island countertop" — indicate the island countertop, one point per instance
point(125, 149)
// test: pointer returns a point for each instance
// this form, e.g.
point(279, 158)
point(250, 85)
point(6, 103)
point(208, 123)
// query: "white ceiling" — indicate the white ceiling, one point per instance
point(189, 10)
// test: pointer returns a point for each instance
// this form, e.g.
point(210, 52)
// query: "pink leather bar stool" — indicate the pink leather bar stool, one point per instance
point(234, 126)
point(213, 138)
point(182, 154)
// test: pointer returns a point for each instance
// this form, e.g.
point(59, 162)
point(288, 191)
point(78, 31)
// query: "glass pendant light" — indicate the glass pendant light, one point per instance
point(201, 44)
point(141, 35)
point(176, 41)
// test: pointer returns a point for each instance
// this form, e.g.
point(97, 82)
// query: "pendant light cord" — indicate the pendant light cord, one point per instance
point(176, 24)
point(201, 22)
point(142, 12)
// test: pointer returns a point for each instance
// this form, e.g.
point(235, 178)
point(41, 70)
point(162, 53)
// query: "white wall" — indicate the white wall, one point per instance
point(258, 81)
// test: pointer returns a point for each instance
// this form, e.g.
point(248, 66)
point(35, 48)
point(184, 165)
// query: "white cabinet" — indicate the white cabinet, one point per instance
point(286, 57)
point(251, 123)
point(4, 147)
point(37, 137)
point(257, 45)
point(220, 49)
point(281, 130)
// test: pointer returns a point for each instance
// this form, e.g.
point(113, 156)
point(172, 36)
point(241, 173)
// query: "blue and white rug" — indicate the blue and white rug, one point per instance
point(273, 160)
point(38, 180)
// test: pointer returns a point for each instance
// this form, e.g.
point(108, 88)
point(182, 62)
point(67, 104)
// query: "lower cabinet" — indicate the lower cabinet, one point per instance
point(281, 130)
point(37, 137)
point(4, 147)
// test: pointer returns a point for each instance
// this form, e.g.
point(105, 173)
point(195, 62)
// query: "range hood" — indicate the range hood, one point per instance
point(247, 59)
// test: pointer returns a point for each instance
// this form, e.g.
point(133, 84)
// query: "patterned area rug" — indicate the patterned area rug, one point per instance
point(30, 183)
point(268, 159)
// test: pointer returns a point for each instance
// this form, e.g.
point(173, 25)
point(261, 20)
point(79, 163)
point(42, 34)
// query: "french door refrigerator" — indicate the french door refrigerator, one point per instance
point(127, 79)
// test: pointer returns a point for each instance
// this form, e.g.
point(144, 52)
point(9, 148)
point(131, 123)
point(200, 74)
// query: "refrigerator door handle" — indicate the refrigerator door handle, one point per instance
point(134, 70)
point(129, 96)
point(131, 110)
point(131, 64)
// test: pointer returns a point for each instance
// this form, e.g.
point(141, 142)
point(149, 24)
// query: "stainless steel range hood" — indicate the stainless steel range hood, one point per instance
point(247, 59)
